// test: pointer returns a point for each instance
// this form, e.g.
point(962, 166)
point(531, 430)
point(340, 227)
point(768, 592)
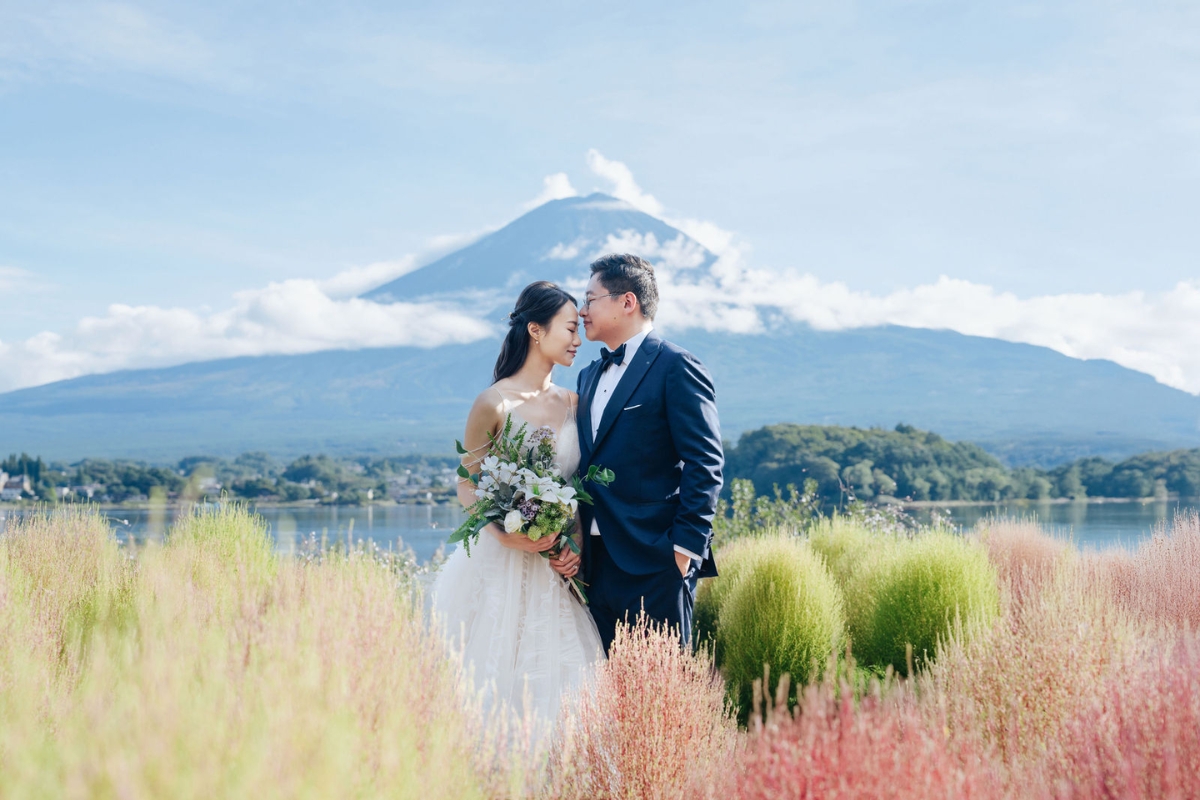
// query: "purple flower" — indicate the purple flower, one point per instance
point(542, 434)
point(529, 509)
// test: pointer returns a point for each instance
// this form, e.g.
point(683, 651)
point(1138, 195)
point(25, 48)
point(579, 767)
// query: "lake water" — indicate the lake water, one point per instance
point(425, 528)
point(421, 528)
point(1092, 526)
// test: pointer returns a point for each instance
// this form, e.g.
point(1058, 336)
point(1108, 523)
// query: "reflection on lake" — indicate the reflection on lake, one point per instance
point(424, 528)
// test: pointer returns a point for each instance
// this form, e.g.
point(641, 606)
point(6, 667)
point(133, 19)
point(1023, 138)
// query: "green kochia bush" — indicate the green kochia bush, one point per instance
point(775, 604)
point(710, 596)
point(910, 591)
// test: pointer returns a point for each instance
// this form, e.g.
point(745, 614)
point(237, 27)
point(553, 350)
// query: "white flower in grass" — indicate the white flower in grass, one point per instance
point(513, 521)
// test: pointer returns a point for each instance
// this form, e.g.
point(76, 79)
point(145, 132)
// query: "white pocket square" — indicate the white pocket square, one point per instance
point(631, 408)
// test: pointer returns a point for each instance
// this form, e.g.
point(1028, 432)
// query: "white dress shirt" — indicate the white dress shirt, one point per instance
point(605, 386)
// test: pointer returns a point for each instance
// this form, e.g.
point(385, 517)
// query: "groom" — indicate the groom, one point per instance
point(648, 412)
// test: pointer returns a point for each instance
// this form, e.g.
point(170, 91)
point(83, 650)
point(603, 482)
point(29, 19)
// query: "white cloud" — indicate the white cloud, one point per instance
point(1154, 333)
point(566, 252)
point(295, 316)
point(554, 187)
point(446, 242)
point(356, 280)
point(623, 187)
point(680, 253)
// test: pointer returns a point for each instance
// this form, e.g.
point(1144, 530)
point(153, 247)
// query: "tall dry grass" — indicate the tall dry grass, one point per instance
point(207, 667)
point(655, 724)
point(210, 667)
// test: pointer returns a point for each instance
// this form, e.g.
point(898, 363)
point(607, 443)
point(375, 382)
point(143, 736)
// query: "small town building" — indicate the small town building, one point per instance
point(15, 488)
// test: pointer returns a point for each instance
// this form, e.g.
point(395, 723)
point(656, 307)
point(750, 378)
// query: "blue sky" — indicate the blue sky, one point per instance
point(170, 155)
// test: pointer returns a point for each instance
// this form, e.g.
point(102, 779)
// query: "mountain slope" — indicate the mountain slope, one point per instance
point(1026, 404)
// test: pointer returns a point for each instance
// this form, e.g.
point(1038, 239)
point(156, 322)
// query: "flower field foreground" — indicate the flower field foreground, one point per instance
point(209, 666)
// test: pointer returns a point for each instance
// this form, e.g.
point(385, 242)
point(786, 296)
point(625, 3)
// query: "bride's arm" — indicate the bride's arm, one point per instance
point(483, 421)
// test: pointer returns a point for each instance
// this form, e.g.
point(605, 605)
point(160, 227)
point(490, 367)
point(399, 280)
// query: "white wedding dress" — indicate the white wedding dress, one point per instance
point(527, 642)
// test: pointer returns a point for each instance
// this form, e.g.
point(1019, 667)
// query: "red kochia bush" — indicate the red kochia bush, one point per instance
point(655, 723)
point(884, 748)
point(1142, 738)
point(1166, 575)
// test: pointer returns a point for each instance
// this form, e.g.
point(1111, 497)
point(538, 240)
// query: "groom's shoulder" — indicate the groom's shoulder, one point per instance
point(675, 352)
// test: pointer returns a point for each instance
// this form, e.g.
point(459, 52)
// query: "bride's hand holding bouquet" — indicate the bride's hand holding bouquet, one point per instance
point(520, 490)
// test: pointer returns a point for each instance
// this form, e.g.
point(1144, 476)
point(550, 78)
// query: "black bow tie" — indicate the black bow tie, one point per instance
point(615, 357)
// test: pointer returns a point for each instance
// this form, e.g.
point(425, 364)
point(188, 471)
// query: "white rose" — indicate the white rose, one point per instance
point(513, 522)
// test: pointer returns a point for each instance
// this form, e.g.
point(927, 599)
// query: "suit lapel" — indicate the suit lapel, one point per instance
point(590, 379)
point(637, 370)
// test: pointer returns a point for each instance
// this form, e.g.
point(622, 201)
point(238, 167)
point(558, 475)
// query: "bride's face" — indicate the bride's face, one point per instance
point(560, 340)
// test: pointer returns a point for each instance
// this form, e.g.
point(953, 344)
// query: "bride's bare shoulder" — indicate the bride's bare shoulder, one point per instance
point(489, 403)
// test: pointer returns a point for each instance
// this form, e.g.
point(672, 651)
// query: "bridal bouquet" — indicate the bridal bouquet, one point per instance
point(521, 490)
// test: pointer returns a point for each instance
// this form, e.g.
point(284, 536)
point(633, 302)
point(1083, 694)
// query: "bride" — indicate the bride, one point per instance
point(527, 641)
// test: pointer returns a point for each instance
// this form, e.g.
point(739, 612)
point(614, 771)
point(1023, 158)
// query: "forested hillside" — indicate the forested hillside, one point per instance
point(913, 464)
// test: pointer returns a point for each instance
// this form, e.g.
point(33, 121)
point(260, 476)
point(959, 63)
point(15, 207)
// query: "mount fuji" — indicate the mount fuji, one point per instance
point(1027, 404)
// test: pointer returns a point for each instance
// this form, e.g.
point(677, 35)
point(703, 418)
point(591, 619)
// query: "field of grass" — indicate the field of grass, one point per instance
point(210, 666)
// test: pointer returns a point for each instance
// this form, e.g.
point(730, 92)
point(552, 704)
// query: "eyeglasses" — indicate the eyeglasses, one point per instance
point(588, 302)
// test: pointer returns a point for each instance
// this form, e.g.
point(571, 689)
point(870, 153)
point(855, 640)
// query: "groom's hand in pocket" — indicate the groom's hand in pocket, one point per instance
point(684, 562)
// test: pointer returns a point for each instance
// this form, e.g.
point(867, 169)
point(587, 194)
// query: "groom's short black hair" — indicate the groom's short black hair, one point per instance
point(625, 272)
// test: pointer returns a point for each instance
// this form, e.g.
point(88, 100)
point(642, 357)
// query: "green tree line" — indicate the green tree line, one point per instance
point(253, 476)
point(907, 463)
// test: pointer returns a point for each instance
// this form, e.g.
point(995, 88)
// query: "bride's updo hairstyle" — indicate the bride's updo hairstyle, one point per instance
point(539, 303)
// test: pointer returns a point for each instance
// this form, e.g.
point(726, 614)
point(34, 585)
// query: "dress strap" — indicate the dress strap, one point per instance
point(567, 416)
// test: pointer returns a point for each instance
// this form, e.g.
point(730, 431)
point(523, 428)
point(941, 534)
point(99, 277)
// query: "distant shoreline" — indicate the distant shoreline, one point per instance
point(891, 501)
point(1049, 501)
point(177, 504)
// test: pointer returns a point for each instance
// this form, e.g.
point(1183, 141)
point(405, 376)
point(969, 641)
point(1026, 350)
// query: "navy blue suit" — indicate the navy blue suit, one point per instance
point(660, 436)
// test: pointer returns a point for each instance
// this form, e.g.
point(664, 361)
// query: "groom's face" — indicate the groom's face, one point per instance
point(600, 313)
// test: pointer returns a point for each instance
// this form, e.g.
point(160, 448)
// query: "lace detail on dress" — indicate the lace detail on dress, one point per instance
point(515, 622)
